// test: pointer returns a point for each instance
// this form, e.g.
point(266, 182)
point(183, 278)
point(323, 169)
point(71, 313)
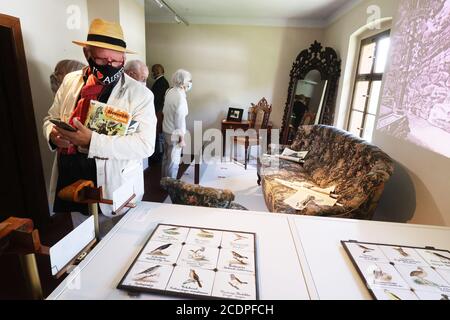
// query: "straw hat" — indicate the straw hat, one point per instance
point(105, 34)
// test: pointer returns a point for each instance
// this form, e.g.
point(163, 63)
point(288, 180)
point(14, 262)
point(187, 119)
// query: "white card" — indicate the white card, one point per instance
point(366, 252)
point(122, 194)
point(234, 286)
point(160, 252)
point(167, 233)
point(435, 258)
point(191, 281)
point(382, 276)
point(394, 294)
point(236, 261)
point(204, 237)
point(402, 255)
point(238, 241)
point(195, 256)
point(71, 245)
point(422, 278)
point(148, 275)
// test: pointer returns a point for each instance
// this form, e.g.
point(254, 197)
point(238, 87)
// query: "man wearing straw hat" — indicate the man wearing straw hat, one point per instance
point(109, 161)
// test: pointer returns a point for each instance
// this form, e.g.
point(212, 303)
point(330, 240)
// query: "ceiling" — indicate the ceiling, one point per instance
point(314, 13)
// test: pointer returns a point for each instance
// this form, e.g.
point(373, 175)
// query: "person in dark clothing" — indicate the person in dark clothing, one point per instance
point(299, 109)
point(159, 88)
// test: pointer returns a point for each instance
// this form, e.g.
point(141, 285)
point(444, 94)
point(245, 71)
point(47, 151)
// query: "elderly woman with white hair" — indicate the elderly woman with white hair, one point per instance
point(175, 111)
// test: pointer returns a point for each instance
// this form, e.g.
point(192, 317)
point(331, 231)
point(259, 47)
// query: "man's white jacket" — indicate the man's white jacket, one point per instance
point(118, 158)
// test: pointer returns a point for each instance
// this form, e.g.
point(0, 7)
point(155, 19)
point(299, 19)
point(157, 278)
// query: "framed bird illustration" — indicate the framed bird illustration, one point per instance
point(195, 262)
point(396, 272)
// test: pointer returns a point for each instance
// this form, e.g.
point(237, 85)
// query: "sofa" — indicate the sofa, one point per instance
point(357, 168)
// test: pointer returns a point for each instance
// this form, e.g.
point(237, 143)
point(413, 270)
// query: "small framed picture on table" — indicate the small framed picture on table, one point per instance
point(235, 114)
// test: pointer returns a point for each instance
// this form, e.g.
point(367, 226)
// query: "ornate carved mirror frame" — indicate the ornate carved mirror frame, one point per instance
point(324, 60)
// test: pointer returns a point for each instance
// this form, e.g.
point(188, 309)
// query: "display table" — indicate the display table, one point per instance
point(280, 273)
point(298, 257)
point(328, 270)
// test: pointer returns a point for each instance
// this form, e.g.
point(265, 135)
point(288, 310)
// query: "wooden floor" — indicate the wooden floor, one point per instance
point(12, 285)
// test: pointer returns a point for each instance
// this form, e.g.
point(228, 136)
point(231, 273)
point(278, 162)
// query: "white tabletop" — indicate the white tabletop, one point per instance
point(298, 257)
point(329, 271)
point(279, 271)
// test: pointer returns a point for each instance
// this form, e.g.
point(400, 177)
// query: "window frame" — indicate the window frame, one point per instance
point(370, 77)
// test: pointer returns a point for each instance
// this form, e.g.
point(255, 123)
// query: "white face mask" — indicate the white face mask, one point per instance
point(189, 86)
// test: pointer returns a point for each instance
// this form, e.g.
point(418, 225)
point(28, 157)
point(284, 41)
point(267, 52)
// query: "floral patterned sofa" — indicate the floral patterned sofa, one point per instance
point(195, 195)
point(358, 169)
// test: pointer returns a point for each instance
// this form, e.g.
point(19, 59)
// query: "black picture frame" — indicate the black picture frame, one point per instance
point(361, 272)
point(235, 114)
point(138, 289)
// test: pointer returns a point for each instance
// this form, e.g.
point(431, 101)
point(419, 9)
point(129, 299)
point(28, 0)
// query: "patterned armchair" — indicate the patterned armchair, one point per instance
point(194, 195)
point(358, 169)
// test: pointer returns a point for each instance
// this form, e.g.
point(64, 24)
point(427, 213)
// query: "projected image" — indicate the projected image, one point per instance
point(416, 95)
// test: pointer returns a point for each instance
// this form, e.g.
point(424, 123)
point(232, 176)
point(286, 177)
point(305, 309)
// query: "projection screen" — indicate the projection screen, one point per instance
point(415, 104)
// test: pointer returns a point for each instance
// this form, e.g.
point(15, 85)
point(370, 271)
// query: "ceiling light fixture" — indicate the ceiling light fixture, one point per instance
point(177, 17)
point(159, 3)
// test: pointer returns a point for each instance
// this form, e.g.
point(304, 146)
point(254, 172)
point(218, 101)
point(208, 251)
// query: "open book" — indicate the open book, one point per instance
point(307, 192)
point(291, 155)
point(109, 120)
point(295, 154)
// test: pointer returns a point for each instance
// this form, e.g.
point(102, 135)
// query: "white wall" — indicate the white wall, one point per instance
point(47, 40)
point(231, 65)
point(132, 19)
point(103, 9)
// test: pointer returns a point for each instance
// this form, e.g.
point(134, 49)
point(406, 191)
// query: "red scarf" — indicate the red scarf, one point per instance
point(91, 91)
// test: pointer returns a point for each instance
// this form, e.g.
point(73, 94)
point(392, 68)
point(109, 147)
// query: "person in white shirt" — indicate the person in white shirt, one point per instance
point(175, 111)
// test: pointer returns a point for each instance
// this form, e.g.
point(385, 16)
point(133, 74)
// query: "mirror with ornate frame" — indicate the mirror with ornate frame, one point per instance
point(312, 90)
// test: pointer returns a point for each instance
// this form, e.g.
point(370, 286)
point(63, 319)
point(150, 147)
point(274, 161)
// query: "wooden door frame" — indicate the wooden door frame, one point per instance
point(25, 133)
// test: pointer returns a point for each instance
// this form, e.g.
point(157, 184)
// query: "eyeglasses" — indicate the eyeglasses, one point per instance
point(105, 61)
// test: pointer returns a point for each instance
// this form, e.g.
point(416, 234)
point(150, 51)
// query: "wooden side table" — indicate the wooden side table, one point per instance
point(244, 125)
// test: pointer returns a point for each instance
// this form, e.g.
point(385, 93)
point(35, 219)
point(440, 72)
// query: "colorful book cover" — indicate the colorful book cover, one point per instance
point(108, 120)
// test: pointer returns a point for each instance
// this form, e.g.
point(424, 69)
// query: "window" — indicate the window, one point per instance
point(372, 62)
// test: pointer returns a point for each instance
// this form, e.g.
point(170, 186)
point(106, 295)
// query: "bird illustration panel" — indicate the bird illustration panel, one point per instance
point(198, 256)
point(402, 255)
point(170, 234)
point(148, 275)
point(236, 261)
point(191, 261)
point(366, 252)
point(445, 274)
point(161, 252)
point(194, 281)
point(233, 285)
point(204, 237)
point(394, 294)
point(423, 295)
point(424, 279)
point(382, 275)
point(406, 273)
point(238, 241)
point(436, 258)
